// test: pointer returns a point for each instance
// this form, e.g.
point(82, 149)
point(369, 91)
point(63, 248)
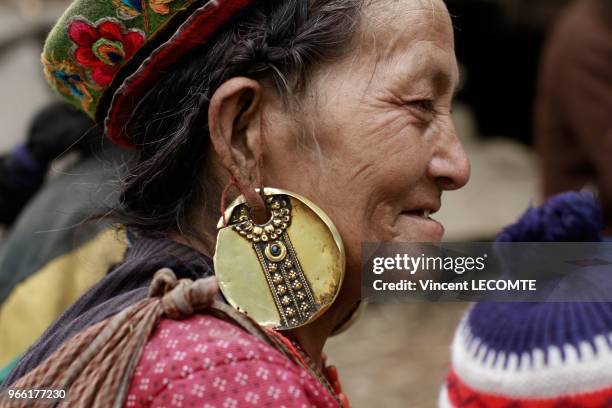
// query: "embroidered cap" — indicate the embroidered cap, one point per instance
point(102, 55)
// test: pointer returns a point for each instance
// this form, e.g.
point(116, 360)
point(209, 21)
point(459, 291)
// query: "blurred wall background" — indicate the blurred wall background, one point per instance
point(23, 26)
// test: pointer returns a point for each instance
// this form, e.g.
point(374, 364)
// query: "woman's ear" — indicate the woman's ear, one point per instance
point(234, 120)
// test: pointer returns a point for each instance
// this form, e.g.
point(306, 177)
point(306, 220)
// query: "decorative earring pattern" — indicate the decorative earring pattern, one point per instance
point(285, 272)
point(290, 289)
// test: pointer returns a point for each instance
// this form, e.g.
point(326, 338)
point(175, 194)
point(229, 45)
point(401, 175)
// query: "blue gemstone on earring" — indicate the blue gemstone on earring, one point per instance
point(275, 249)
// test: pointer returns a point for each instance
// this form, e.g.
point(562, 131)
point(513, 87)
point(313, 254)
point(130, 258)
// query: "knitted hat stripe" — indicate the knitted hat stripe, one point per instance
point(458, 394)
point(522, 327)
point(530, 374)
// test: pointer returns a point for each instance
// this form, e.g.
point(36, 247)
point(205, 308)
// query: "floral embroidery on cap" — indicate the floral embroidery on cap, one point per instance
point(104, 47)
point(97, 43)
point(68, 79)
point(160, 6)
point(129, 9)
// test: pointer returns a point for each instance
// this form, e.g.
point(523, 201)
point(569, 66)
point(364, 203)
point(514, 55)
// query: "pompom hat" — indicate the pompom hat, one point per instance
point(532, 355)
point(536, 355)
point(103, 55)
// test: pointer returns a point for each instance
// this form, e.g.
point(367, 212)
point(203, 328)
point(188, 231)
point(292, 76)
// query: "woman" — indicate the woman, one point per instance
point(345, 102)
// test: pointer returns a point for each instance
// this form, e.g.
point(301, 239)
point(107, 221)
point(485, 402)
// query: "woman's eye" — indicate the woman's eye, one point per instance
point(422, 110)
point(425, 105)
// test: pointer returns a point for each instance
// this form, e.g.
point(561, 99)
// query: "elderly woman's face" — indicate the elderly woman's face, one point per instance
point(382, 146)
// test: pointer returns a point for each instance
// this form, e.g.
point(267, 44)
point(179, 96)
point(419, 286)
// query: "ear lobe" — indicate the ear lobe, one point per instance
point(233, 120)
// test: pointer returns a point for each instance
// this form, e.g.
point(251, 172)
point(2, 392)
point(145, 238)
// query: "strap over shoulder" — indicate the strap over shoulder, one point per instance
point(96, 366)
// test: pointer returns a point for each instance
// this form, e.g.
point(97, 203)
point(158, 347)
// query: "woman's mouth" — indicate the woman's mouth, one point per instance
point(424, 213)
point(419, 226)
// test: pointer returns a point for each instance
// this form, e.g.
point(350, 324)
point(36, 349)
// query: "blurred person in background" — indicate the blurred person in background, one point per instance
point(55, 130)
point(574, 104)
point(51, 253)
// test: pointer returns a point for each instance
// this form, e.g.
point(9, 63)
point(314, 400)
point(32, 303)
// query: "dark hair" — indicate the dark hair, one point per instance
point(279, 40)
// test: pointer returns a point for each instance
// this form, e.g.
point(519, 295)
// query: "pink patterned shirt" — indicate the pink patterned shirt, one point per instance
point(208, 363)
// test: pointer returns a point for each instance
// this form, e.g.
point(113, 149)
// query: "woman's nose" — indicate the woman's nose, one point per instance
point(450, 166)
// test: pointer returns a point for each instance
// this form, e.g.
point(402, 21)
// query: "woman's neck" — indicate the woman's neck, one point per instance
point(311, 337)
point(204, 245)
point(312, 340)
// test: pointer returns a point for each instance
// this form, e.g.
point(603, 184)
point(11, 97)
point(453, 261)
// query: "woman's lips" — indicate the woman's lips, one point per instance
point(424, 213)
point(422, 226)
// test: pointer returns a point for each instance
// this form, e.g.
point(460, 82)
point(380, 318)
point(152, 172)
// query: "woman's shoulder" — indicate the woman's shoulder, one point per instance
point(207, 362)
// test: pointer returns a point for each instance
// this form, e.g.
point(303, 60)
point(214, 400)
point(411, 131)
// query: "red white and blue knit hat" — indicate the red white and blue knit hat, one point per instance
point(536, 355)
point(532, 355)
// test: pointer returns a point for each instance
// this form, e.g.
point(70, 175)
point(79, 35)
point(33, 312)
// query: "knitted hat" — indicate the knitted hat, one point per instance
point(536, 355)
point(103, 55)
point(532, 355)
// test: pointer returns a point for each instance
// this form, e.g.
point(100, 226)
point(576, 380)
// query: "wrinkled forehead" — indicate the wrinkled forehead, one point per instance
point(388, 22)
point(415, 35)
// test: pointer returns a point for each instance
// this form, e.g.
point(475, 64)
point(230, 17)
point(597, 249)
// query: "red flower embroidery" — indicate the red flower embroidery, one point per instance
point(103, 48)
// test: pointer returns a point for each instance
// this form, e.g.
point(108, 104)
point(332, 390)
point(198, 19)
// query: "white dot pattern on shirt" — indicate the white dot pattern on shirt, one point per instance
point(205, 362)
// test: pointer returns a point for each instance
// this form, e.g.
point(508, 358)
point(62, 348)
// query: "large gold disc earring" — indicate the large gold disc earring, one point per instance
point(285, 273)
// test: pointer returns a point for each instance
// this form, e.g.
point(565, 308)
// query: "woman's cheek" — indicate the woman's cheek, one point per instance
point(392, 124)
point(378, 225)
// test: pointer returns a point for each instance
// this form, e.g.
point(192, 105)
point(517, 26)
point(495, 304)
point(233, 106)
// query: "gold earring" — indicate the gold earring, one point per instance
point(285, 273)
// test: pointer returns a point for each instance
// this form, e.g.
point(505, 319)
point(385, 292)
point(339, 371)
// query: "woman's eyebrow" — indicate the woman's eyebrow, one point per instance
point(444, 81)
